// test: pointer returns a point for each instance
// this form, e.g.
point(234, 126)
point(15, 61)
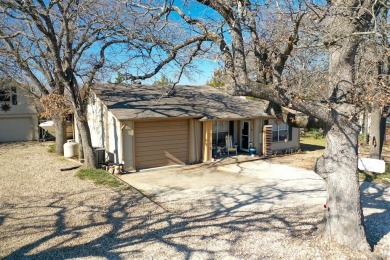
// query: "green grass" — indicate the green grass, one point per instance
point(101, 177)
point(62, 159)
point(313, 141)
point(313, 137)
point(51, 148)
point(309, 143)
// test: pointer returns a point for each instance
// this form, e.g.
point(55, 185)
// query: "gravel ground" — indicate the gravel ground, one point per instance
point(46, 213)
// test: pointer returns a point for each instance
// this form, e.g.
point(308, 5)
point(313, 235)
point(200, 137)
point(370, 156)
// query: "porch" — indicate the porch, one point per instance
point(244, 134)
point(247, 135)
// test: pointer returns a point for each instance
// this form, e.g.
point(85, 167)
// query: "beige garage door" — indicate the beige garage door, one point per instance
point(16, 129)
point(161, 143)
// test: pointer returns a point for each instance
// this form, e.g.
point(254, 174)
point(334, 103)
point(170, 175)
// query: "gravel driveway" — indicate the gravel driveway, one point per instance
point(243, 211)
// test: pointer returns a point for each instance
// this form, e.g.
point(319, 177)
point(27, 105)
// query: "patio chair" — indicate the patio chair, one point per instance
point(229, 145)
point(216, 151)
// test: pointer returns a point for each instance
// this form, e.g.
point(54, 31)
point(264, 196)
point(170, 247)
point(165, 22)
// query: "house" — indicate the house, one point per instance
point(18, 117)
point(142, 127)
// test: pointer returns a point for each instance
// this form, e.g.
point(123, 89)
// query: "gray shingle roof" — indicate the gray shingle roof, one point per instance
point(132, 102)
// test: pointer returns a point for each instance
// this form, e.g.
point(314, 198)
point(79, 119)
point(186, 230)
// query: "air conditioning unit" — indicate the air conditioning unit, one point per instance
point(100, 154)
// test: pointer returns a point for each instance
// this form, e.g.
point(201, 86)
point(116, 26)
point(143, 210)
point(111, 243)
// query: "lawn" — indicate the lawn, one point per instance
point(311, 141)
point(101, 177)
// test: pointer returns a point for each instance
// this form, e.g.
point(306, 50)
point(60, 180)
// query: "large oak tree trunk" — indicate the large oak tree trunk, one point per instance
point(338, 166)
point(80, 113)
point(60, 128)
point(85, 134)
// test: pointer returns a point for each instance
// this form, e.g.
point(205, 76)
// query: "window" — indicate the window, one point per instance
point(5, 94)
point(280, 132)
point(8, 94)
point(220, 131)
point(14, 96)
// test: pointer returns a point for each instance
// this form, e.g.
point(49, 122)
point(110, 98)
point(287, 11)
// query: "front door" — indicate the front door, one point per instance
point(245, 135)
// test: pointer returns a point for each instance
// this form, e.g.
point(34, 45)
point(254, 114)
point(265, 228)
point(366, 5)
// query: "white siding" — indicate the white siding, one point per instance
point(20, 123)
point(105, 130)
point(113, 139)
point(257, 134)
point(96, 122)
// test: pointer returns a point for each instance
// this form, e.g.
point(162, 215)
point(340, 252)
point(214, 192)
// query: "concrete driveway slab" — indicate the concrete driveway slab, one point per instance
point(257, 188)
point(255, 185)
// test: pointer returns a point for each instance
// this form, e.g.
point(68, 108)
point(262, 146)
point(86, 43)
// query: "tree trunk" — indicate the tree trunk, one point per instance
point(338, 166)
point(85, 134)
point(382, 133)
point(81, 150)
point(375, 132)
point(60, 128)
point(365, 127)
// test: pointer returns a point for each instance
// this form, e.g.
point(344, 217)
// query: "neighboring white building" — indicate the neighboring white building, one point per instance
point(18, 117)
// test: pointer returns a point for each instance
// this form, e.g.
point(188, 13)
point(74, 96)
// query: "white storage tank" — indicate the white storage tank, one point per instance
point(71, 149)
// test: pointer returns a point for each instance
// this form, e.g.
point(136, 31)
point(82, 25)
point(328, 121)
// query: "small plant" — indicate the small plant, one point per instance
point(366, 176)
point(317, 133)
point(101, 177)
point(51, 148)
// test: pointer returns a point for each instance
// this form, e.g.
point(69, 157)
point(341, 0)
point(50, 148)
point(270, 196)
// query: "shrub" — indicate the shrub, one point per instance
point(317, 133)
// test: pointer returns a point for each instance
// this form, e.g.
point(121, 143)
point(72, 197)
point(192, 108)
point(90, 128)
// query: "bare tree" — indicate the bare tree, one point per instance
point(260, 41)
point(59, 46)
point(374, 73)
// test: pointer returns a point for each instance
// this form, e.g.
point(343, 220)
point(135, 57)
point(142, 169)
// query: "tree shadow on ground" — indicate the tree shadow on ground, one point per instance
point(311, 147)
point(377, 208)
point(207, 223)
point(131, 223)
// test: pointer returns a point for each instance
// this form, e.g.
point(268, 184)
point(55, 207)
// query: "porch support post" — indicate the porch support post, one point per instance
point(207, 140)
point(256, 134)
point(120, 128)
point(192, 143)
